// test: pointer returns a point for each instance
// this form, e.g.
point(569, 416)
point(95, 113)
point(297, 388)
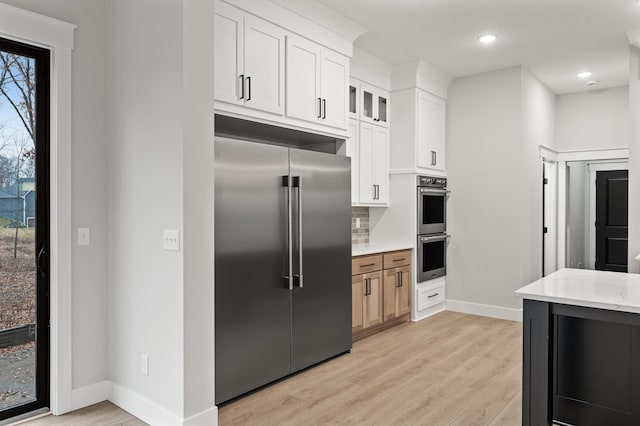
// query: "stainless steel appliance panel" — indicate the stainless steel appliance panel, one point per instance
point(253, 303)
point(432, 204)
point(321, 319)
point(432, 256)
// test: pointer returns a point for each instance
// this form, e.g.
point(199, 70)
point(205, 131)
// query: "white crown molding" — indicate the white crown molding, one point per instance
point(421, 75)
point(319, 26)
point(23, 25)
point(325, 17)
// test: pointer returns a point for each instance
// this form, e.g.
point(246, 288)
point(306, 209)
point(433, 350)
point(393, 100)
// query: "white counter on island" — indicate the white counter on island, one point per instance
point(615, 291)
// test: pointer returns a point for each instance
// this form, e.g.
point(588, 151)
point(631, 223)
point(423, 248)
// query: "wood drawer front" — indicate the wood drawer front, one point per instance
point(430, 296)
point(397, 258)
point(365, 264)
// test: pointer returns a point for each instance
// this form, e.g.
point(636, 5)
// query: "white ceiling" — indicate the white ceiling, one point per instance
point(553, 39)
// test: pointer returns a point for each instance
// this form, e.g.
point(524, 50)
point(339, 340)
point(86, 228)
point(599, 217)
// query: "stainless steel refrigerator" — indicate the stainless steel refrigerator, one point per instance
point(283, 262)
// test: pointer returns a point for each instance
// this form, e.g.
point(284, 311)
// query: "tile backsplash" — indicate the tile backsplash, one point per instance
point(360, 234)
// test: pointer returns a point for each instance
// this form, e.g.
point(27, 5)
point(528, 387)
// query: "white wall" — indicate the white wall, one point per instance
point(89, 181)
point(145, 197)
point(484, 170)
point(634, 159)
point(495, 124)
point(593, 120)
point(161, 177)
point(370, 69)
point(538, 126)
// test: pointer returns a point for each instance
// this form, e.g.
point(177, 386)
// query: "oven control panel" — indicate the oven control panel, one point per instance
point(432, 181)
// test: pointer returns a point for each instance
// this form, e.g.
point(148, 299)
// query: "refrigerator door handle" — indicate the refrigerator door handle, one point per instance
point(286, 182)
point(297, 183)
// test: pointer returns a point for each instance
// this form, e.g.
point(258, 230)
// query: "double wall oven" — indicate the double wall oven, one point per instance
point(432, 227)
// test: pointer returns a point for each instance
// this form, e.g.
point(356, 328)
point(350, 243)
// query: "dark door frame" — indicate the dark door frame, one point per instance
point(42, 144)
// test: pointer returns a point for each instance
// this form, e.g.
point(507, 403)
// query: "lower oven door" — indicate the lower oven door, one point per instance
point(432, 256)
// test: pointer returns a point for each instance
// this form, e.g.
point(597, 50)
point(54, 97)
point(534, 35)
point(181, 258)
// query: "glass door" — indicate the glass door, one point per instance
point(24, 228)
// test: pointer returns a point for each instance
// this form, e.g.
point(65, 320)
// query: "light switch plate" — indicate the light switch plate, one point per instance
point(84, 236)
point(171, 240)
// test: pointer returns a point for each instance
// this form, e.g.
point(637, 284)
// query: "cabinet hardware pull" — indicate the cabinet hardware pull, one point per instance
point(399, 260)
point(433, 158)
point(366, 286)
point(433, 295)
point(367, 265)
point(324, 105)
point(249, 95)
point(399, 279)
point(242, 86)
point(319, 108)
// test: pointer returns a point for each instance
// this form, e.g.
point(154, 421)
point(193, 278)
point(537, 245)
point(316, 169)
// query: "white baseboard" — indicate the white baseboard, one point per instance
point(205, 418)
point(139, 406)
point(89, 395)
point(492, 311)
point(153, 414)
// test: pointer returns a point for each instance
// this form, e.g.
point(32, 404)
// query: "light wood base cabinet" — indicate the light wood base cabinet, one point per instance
point(381, 292)
point(397, 288)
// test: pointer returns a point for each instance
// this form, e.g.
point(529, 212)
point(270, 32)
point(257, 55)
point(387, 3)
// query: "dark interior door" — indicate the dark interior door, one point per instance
point(612, 219)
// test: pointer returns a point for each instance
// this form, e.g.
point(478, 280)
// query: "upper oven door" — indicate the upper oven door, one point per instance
point(432, 210)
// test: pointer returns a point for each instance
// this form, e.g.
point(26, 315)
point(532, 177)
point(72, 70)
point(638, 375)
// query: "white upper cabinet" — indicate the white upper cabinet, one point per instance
point(264, 53)
point(303, 79)
point(373, 149)
point(229, 60)
point(418, 132)
point(317, 83)
point(431, 131)
point(335, 89)
point(352, 151)
point(249, 61)
point(374, 105)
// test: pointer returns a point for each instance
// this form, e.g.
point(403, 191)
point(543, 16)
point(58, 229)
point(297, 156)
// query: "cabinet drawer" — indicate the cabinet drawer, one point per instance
point(398, 258)
point(430, 296)
point(364, 264)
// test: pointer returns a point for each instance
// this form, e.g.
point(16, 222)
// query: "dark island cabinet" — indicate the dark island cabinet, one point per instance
point(581, 366)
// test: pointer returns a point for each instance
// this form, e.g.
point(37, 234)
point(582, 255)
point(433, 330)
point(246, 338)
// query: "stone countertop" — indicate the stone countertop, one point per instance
point(371, 248)
point(616, 291)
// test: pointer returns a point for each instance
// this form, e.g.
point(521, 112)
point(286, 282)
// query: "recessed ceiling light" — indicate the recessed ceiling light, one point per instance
point(487, 38)
point(584, 74)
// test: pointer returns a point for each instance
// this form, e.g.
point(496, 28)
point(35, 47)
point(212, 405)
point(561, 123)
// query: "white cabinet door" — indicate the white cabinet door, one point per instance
point(367, 190)
point(303, 79)
point(374, 165)
point(431, 117)
point(374, 105)
point(381, 164)
point(264, 51)
point(352, 151)
point(335, 89)
point(229, 63)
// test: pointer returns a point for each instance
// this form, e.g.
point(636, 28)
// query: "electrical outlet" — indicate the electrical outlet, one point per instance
point(171, 240)
point(84, 236)
point(144, 364)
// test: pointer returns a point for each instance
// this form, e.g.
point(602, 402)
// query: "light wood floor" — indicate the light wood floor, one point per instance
point(102, 414)
point(450, 369)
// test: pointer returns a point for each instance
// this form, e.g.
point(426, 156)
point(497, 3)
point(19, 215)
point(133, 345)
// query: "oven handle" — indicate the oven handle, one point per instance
point(434, 238)
point(434, 191)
